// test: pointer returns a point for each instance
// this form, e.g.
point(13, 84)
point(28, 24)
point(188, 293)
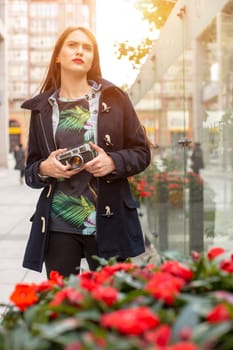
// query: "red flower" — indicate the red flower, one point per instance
point(225, 296)
point(227, 265)
point(174, 186)
point(177, 269)
point(70, 294)
point(185, 333)
point(45, 286)
point(74, 346)
point(103, 276)
point(145, 194)
point(160, 336)
point(131, 321)
point(108, 295)
point(145, 273)
point(183, 346)
point(56, 278)
point(150, 266)
point(87, 280)
point(218, 314)
point(93, 339)
point(164, 286)
point(195, 256)
point(23, 296)
point(108, 271)
point(120, 266)
point(90, 280)
point(214, 252)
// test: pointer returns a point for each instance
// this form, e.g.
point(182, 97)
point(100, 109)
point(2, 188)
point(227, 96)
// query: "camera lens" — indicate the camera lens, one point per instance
point(76, 162)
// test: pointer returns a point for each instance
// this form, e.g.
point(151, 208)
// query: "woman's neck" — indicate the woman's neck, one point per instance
point(73, 88)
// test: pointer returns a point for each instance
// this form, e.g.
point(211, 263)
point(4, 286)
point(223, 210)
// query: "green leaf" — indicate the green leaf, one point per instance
point(22, 339)
point(131, 297)
point(173, 255)
point(38, 313)
point(71, 209)
point(74, 118)
point(124, 280)
point(88, 315)
point(206, 332)
point(187, 318)
point(52, 330)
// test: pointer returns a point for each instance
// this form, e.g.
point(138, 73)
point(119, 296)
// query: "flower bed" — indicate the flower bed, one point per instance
point(182, 304)
point(165, 187)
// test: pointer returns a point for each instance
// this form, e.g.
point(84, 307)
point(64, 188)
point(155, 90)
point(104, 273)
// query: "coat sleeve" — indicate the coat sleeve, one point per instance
point(135, 155)
point(35, 155)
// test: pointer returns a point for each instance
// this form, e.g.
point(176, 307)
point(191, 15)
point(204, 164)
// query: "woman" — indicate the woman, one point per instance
point(84, 210)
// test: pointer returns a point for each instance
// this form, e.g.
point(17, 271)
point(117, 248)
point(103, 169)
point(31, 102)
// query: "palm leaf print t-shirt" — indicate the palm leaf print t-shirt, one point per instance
point(74, 202)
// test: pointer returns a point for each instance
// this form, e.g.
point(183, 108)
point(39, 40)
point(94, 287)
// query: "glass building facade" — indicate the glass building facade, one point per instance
point(184, 97)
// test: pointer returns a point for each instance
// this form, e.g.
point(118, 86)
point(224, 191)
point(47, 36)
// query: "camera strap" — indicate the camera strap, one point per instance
point(93, 99)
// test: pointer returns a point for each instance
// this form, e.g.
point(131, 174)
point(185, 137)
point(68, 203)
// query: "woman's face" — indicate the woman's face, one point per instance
point(76, 54)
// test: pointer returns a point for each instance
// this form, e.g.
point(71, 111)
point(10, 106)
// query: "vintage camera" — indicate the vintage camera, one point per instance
point(77, 156)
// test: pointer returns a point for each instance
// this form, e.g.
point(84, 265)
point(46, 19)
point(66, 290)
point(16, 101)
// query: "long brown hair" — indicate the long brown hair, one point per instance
point(53, 77)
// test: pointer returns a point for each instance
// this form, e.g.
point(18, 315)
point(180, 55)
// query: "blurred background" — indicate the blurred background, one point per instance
point(175, 59)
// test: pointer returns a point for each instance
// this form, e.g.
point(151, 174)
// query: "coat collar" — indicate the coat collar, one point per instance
point(41, 101)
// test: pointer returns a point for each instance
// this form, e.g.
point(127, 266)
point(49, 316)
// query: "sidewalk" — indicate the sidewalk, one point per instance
point(17, 203)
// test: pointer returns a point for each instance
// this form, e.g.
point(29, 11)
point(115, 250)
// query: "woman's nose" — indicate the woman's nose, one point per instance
point(79, 50)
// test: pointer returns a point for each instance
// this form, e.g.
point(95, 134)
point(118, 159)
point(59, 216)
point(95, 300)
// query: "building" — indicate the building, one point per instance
point(33, 26)
point(187, 82)
point(3, 88)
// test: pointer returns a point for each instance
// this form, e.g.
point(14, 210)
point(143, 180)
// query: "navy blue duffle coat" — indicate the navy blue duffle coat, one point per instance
point(118, 229)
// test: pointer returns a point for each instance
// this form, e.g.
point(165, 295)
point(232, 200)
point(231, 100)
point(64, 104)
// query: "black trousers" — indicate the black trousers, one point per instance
point(65, 251)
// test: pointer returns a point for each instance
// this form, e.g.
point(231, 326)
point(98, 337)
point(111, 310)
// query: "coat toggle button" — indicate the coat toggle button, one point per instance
point(107, 140)
point(108, 212)
point(105, 107)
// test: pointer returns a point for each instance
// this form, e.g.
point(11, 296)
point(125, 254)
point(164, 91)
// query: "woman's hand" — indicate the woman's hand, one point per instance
point(54, 168)
point(100, 165)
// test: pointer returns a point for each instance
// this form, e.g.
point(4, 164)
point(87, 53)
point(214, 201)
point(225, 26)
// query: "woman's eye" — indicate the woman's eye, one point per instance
point(87, 47)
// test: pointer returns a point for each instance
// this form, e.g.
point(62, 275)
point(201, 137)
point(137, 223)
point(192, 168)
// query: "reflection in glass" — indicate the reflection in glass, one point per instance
point(191, 205)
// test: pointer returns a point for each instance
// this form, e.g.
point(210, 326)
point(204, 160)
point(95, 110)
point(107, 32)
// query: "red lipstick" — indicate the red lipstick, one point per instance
point(78, 60)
